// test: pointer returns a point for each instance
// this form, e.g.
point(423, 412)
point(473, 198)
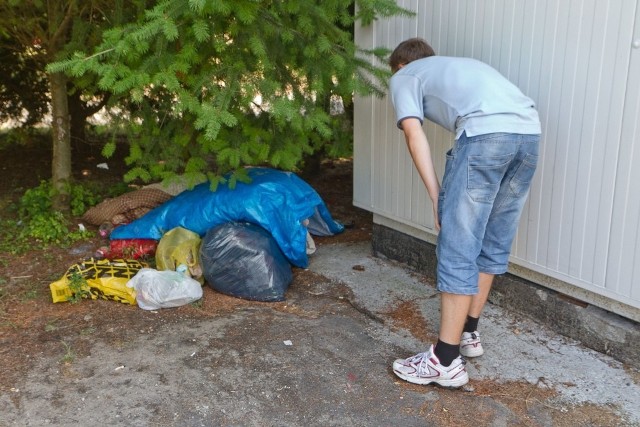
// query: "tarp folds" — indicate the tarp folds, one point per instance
point(277, 201)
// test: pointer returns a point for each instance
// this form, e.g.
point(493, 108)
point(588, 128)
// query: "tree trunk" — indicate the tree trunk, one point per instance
point(77, 121)
point(61, 162)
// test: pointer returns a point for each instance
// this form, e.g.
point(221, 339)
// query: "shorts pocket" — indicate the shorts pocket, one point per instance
point(447, 168)
point(521, 180)
point(485, 174)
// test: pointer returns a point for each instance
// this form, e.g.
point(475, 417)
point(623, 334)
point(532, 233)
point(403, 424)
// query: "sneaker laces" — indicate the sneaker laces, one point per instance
point(420, 362)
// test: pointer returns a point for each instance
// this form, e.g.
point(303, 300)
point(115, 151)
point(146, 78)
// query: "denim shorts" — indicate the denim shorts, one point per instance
point(484, 188)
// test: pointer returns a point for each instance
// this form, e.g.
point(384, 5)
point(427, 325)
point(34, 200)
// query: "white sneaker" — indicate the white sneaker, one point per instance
point(470, 345)
point(425, 368)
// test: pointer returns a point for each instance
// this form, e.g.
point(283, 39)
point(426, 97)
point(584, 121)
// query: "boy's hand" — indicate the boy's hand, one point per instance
point(436, 219)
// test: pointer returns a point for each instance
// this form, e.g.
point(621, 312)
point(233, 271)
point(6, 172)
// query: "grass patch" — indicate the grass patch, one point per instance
point(69, 355)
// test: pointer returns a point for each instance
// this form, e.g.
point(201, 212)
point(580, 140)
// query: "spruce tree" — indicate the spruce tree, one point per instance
point(219, 84)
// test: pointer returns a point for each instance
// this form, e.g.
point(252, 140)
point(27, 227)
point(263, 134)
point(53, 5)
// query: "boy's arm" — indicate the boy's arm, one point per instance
point(421, 154)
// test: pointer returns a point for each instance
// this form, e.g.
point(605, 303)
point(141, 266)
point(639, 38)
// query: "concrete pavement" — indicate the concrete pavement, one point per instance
point(516, 348)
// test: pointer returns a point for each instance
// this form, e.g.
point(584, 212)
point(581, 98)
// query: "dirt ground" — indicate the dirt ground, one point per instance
point(27, 315)
point(32, 327)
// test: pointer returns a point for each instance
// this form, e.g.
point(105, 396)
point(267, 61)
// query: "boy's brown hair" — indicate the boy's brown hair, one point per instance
point(409, 50)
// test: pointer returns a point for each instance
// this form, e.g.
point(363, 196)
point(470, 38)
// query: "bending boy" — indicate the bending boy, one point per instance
point(486, 181)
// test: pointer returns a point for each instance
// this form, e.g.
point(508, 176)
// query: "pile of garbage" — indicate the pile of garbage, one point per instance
point(242, 242)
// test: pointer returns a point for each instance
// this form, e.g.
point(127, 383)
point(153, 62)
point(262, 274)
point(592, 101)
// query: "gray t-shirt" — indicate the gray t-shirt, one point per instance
point(462, 95)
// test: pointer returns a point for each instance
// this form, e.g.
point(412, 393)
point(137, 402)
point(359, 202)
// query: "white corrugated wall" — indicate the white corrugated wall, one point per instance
point(580, 61)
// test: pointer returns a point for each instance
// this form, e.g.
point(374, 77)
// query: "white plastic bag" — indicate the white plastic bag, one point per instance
point(164, 289)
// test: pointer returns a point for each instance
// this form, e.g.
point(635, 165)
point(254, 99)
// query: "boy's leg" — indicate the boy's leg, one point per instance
point(453, 314)
point(470, 344)
point(440, 364)
point(455, 308)
point(479, 300)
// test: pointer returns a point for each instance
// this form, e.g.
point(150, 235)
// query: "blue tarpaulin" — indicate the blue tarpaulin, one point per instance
point(278, 201)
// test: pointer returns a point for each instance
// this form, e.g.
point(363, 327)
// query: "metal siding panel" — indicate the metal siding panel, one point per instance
point(553, 160)
point(586, 108)
point(545, 105)
point(525, 242)
point(488, 27)
point(624, 256)
point(391, 141)
point(533, 88)
point(604, 126)
point(532, 80)
point(505, 42)
point(584, 117)
point(363, 123)
point(623, 267)
point(380, 129)
point(379, 168)
point(469, 23)
point(362, 151)
point(497, 34)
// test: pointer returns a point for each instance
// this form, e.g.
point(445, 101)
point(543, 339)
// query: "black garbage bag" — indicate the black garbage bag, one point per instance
point(243, 260)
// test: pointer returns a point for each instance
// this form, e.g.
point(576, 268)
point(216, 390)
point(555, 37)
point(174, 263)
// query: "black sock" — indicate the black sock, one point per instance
point(446, 353)
point(471, 324)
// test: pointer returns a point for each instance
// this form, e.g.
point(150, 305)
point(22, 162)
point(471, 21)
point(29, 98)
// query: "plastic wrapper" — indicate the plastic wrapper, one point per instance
point(131, 248)
point(104, 279)
point(280, 202)
point(243, 260)
point(179, 248)
point(164, 289)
